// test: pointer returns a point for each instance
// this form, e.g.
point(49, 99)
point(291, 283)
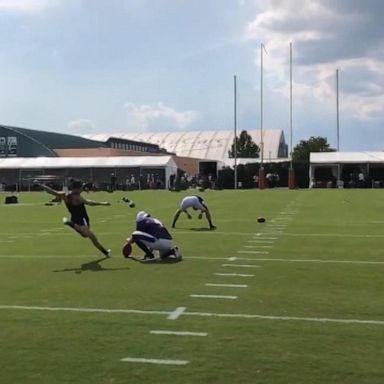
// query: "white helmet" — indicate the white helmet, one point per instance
point(141, 216)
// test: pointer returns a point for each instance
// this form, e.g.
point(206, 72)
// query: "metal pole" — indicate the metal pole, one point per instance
point(261, 106)
point(290, 102)
point(338, 125)
point(235, 125)
point(337, 111)
point(261, 170)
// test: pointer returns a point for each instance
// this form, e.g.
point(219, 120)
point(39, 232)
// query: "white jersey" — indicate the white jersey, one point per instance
point(194, 202)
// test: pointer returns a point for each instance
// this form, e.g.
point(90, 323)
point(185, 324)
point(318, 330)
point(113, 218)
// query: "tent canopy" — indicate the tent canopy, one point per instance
point(87, 162)
point(346, 157)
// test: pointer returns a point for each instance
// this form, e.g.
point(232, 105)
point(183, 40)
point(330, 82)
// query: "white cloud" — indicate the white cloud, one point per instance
point(159, 116)
point(81, 126)
point(325, 36)
point(26, 6)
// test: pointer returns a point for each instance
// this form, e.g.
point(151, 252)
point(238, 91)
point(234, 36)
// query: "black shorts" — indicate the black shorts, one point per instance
point(81, 221)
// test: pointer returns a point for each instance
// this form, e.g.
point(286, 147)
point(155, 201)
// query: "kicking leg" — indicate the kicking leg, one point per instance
point(86, 232)
point(209, 218)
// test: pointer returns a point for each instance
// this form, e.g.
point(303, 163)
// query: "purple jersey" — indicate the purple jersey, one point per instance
point(153, 227)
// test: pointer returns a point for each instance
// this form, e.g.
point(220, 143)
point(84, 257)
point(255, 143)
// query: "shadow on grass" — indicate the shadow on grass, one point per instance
point(93, 266)
point(200, 229)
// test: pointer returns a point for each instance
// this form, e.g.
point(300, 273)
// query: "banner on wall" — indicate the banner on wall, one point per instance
point(3, 146)
point(12, 146)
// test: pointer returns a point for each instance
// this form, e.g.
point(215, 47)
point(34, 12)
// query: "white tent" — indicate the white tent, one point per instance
point(45, 163)
point(334, 160)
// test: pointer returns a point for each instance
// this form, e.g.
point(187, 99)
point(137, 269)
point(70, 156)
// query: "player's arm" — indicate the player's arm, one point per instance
point(95, 203)
point(52, 191)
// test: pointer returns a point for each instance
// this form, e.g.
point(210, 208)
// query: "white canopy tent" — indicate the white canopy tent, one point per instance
point(165, 163)
point(334, 160)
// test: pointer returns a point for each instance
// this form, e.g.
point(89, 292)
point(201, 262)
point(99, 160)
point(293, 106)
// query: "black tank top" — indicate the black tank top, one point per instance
point(76, 211)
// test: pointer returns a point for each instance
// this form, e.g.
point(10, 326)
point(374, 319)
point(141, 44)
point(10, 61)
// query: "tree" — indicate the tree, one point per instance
point(246, 147)
point(313, 144)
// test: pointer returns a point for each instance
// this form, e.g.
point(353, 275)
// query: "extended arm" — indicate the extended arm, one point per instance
point(51, 191)
point(96, 203)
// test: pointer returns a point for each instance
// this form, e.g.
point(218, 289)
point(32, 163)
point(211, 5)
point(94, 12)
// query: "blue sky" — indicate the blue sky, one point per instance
point(84, 66)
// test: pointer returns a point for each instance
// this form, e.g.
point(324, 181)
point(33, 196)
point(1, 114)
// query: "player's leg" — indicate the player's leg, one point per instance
point(145, 242)
point(177, 215)
point(86, 232)
point(209, 218)
point(167, 250)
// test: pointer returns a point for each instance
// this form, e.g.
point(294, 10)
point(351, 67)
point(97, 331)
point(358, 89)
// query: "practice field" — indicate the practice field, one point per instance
point(298, 299)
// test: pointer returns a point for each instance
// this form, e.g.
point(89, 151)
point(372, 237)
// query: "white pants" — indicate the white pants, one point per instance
point(153, 243)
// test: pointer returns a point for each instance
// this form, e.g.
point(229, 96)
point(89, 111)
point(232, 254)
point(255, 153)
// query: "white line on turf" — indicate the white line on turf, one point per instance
point(177, 333)
point(241, 265)
point(260, 241)
point(227, 285)
point(200, 314)
point(176, 313)
point(213, 297)
point(234, 274)
point(154, 361)
point(257, 246)
point(255, 252)
point(232, 258)
point(319, 261)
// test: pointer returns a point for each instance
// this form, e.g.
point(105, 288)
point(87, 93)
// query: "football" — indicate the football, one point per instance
point(261, 219)
point(127, 250)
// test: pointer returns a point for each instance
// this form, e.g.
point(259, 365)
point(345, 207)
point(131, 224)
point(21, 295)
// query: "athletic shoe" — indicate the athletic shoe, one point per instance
point(212, 227)
point(148, 256)
point(177, 253)
point(68, 222)
point(109, 253)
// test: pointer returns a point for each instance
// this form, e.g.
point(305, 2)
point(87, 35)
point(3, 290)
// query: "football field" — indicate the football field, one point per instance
point(298, 299)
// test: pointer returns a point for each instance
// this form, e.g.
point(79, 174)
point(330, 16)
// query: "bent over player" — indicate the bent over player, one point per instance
point(151, 235)
point(75, 204)
point(196, 203)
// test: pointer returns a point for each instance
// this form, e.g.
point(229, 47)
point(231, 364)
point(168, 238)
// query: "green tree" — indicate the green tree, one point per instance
point(313, 144)
point(246, 147)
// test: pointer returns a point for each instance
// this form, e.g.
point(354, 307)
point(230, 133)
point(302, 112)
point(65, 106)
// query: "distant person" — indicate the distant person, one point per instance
point(361, 179)
point(113, 182)
point(151, 235)
point(79, 220)
point(196, 203)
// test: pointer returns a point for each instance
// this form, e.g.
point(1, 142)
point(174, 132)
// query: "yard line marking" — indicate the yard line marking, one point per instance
point(242, 265)
point(320, 261)
point(260, 241)
point(227, 285)
point(201, 314)
point(177, 333)
point(176, 313)
point(258, 246)
point(154, 361)
point(286, 318)
point(255, 252)
point(262, 238)
point(213, 297)
point(235, 274)
point(232, 258)
point(81, 309)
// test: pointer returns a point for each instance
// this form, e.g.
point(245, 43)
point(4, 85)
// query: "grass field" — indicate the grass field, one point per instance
point(317, 259)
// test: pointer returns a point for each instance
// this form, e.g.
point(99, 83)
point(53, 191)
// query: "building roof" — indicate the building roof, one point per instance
point(346, 157)
point(203, 144)
point(87, 162)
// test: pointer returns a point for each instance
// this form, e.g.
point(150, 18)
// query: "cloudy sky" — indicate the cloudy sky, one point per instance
point(84, 66)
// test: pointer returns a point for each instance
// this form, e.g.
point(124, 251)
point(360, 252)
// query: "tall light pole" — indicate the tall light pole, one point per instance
point(338, 126)
point(291, 172)
point(235, 125)
point(261, 170)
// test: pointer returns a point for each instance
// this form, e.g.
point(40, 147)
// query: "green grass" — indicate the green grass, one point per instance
point(57, 268)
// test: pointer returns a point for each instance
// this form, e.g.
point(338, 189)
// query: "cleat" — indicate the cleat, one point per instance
point(109, 253)
point(177, 253)
point(212, 227)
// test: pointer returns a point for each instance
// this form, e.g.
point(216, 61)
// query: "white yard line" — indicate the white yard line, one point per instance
point(176, 313)
point(258, 246)
point(154, 361)
point(241, 265)
point(226, 285)
point(255, 252)
point(178, 333)
point(235, 274)
point(260, 241)
point(213, 297)
point(319, 261)
point(197, 314)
